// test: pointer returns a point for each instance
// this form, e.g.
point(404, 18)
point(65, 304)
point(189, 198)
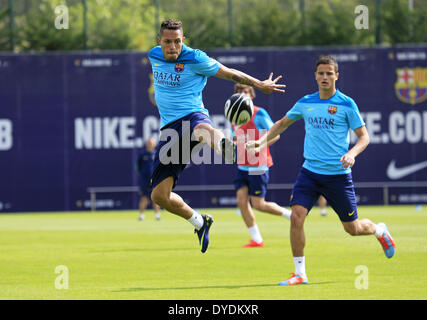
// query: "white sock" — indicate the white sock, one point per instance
point(196, 220)
point(255, 234)
point(323, 211)
point(157, 215)
point(300, 266)
point(379, 231)
point(141, 216)
point(286, 213)
point(218, 146)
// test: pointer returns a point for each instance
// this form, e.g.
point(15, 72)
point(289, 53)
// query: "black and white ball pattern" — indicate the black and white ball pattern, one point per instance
point(239, 109)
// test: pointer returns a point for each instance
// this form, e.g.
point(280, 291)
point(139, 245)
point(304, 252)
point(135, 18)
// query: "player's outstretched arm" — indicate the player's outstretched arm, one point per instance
point(348, 160)
point(271, 136)
point(267, 86)
point(273, 141)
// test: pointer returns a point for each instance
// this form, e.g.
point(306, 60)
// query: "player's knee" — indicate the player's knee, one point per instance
point(204, 132)
point(258, 205)
point(242, 197)
point(157, 197)
point(297, 218)
point(242, 201)
point(153, 197)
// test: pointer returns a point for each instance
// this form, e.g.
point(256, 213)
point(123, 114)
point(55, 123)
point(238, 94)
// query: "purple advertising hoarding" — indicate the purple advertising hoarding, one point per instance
point(73, 121)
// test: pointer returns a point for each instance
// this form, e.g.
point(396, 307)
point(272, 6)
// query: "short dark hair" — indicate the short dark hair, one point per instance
point(327, 60)
point(170, 24)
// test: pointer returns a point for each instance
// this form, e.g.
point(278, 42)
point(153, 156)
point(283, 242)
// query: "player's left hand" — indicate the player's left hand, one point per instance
point(252, 147)
point(347, 161)
point(251, 144)
point(269, 85)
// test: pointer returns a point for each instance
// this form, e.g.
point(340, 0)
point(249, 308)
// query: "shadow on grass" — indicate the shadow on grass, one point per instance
point(142, 250)
point(218, 287)
point(154, 249)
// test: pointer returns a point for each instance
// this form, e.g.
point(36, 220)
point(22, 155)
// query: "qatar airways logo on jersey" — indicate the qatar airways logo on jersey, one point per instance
point(166, 78)
point(321, 122)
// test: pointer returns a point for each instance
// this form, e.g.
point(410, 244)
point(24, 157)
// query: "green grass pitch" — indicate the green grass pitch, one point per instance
point(111, 255)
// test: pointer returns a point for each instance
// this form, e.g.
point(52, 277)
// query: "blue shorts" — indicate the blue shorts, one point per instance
point(337, 189)
point(144, 184)
point(257, 184)
point(163, 168)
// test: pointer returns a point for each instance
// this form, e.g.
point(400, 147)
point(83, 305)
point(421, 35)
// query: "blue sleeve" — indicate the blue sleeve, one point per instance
point(354, 118)
point(295, 113)
point(262, 120)
point(204, 65)
point(233, 134)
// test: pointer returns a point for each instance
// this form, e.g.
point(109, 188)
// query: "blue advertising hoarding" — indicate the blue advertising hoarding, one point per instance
point(73, 121)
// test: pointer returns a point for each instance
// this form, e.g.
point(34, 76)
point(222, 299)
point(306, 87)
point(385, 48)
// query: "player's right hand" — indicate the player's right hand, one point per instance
point(269, 85)
point(347, 161)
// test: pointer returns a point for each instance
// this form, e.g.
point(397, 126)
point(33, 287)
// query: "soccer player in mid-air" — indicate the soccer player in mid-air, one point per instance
point(328, 115)
point(253, 174)
point(144, 167)
point(180, 73)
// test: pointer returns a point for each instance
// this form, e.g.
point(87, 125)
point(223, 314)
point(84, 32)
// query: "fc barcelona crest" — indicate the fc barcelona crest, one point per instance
point(411, 85)
point(332, 109)
point(179, 67)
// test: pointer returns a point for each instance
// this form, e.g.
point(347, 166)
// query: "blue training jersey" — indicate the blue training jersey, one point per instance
point(178, 85)
point(327, 124)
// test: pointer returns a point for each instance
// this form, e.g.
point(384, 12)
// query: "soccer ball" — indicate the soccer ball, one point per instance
point(239, 109)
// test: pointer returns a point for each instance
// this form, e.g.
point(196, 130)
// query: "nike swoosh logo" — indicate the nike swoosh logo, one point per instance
point(156, 64)
point(350, 214)
point(203, 238)
point(394, 173)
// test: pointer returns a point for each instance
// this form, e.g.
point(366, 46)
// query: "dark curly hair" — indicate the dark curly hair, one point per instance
point(170, 24)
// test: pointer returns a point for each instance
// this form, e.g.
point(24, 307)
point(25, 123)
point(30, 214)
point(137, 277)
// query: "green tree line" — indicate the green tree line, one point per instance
point(131, 24)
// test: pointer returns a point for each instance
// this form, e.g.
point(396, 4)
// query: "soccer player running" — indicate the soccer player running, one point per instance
point(252, 176)
point(328, 115)
point(144, 167)
point(180, 73)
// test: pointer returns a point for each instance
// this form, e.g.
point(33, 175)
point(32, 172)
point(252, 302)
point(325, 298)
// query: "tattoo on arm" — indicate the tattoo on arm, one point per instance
point(242, 78)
